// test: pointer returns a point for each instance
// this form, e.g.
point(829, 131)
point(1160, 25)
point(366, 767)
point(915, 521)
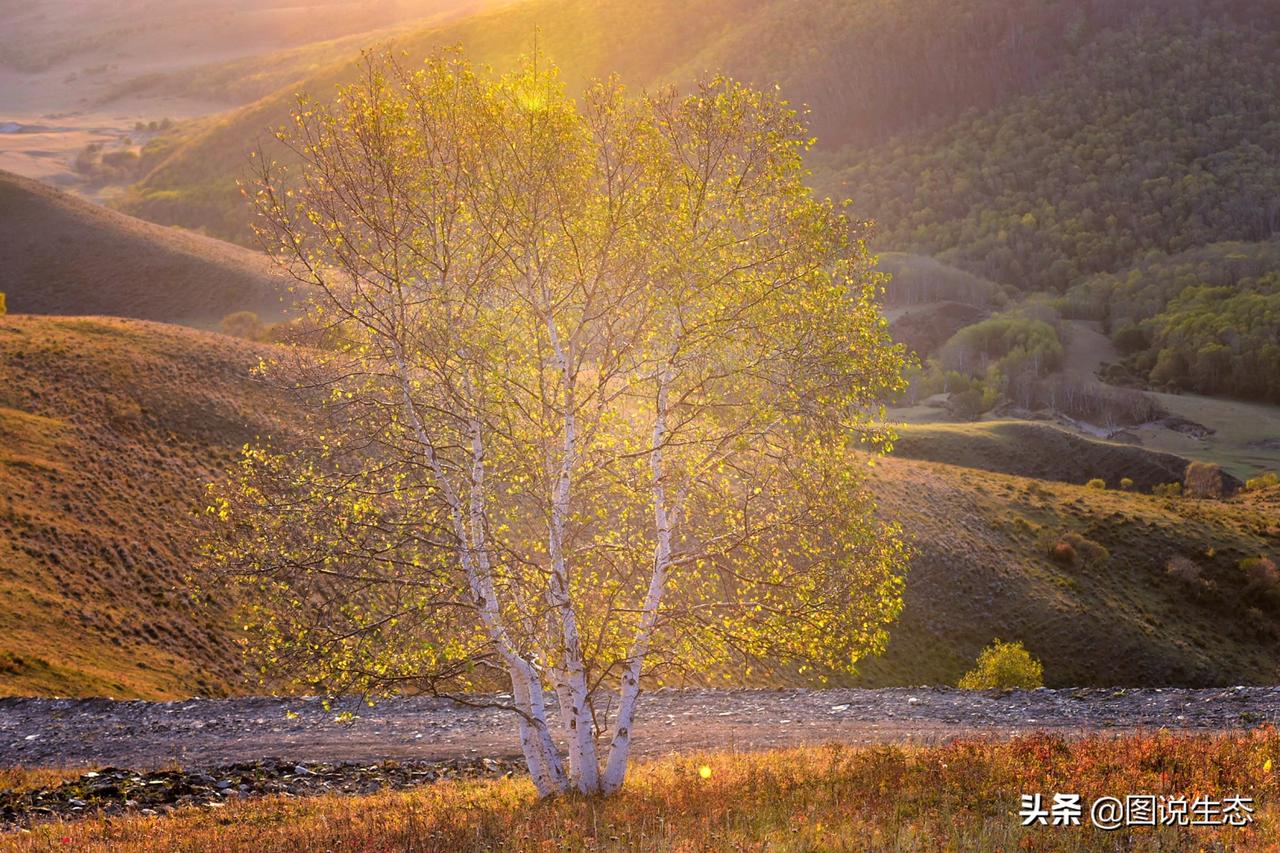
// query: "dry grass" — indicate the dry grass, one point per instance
point(962, 796)
point(1040, 451)
point(108, 431)
point(109, 428)
point(981, 571)
point(35, 778)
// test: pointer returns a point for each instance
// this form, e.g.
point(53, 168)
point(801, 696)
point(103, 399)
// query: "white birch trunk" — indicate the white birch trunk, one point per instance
point(541, 754)
point(584, 762)
point(615, 771)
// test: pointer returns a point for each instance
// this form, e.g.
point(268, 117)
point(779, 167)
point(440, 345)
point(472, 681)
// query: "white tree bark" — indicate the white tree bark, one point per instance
point(584, 763)
point(615, 771)
point(539, 747)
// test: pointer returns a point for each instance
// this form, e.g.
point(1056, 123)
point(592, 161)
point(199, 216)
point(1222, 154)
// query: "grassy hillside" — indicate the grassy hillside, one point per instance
point(108, 431)
point(109, 428)
point(1114, 616)
point(1038, 451)
point(1243, 438)
point(869, 71)
point(62, 255)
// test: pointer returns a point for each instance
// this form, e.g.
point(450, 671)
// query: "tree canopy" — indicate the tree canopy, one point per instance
point(599, 383)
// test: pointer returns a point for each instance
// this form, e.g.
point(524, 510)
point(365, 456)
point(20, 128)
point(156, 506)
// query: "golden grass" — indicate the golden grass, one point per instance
point(961, 796)
point(35, 778)
point(108, 431)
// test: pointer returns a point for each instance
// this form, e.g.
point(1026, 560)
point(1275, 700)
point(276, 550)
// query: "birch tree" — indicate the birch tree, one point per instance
point(598, 390)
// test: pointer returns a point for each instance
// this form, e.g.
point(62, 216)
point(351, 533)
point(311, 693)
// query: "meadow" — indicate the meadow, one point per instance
point(964, 795)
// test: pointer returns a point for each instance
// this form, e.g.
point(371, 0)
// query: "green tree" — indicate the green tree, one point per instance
point(605, 376)
point(1004, 666)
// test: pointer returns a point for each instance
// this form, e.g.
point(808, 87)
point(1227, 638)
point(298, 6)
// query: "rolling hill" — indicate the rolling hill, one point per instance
point(1116, 615)
point(968, 130)
point(109, 428)
point(62, 255)
point(875, 74)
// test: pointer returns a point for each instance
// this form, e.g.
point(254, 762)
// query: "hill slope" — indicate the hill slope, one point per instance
point(62, 255)
point(1153, 135)
point(870, 70)
point(109, 428)
point(108, 431)
point(1038, 451)
point(982, 570)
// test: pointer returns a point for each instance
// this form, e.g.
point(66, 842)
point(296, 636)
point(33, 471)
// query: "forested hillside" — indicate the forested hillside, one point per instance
point(1206, 320)
point(1160, 135)
point(889, 85)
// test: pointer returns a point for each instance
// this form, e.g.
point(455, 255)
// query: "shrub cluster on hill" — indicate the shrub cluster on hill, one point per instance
point(1004, 666)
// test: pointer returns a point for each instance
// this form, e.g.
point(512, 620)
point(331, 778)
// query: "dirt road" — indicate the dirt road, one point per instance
point(200, 733)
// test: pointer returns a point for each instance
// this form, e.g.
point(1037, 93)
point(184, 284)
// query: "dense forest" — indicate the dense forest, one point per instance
point(1205, 320)
point(886, 84)
point(1155, 137)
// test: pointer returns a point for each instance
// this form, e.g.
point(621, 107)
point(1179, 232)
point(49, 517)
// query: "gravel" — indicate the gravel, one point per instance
point(211, 732)
point(306, 745)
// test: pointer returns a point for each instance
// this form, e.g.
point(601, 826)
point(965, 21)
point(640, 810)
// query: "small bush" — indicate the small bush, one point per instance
point(1068, 549)
point(1204, 480)
point(1063, 553)
point(1096, 483)
point(1126, 484)
point(1184, 570)
point(242, 324)
point(1261, 577)
point(1089, 551)
point(1262, 481)
point(1167, 490)
point(3, 308)
point(1004, 666)
point(967, 404)
point(1130, 340)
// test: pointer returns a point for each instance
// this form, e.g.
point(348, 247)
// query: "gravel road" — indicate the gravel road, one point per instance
point(211, 732)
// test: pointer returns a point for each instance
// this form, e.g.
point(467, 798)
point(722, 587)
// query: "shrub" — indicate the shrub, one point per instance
point(1126, 484)
point(1096, 483)
point(1183, 569)
point(1262, 481)
point(1204, 480)
point(3, 309)
point(1167, 490)
point(1131, 339)
point(1004, 666)
point(967, 404)
point(1088, 551)
point(1063, 553)
point(242, 324)
point(1261, 577)
point(1068, 549)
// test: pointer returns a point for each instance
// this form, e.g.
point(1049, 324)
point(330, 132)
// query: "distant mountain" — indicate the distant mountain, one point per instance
point(1029, 142)
point(869, 70)
point(60, 254)
point(1158, 135)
